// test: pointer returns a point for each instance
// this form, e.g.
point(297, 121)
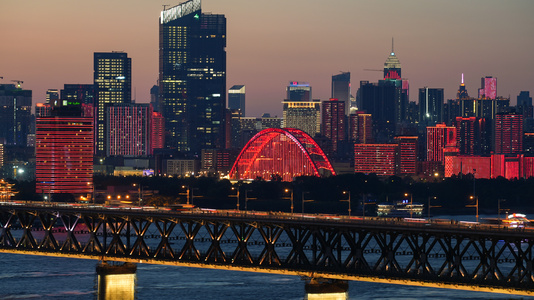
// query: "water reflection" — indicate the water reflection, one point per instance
point(116, 281)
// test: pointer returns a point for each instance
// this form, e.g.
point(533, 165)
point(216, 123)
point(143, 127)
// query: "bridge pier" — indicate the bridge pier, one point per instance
point(116, 281)
point(326, 289)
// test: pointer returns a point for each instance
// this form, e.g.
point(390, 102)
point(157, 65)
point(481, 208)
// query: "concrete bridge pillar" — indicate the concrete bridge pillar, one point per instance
point(116, 281)
point(326, 289)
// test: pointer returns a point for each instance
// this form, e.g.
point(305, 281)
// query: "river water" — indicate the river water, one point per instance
point(39, 277)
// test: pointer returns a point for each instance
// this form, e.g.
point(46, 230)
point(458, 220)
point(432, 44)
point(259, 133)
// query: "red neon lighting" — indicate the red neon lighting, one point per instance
point(283, 152)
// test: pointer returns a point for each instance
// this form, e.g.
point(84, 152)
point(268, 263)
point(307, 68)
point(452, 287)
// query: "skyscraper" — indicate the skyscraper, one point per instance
point(64, 152)
point(488, 88)
point(407, 155)
point(333, 124)
point(192, 77)
point(341, 89)
point(79, 92)
point(462, 90)
point(524, 104)
point(51, 95)
point(236, 99)
point(299, 110)
point(471, 135)
point(438, 138)
point(129, 130)
point(361, 128)
point(15, 114)
point(113, 85)
point(430, 106)
point(508, 133)
point(392, 66)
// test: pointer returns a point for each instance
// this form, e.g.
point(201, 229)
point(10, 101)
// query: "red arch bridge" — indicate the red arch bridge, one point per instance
point(459, 256)
point(285, 153)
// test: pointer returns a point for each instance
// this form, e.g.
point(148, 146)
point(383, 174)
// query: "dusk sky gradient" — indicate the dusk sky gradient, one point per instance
point(269, 43)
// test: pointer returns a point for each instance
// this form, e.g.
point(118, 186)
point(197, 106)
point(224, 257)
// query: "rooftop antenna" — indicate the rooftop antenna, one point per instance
point(462, 78)
point(392, 45)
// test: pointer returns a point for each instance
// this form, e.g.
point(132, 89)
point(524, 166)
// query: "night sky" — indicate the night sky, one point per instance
point(49, 43)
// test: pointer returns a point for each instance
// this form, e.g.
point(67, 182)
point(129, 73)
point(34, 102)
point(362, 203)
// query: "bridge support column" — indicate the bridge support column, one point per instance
point(116, 281)
point(326, 289)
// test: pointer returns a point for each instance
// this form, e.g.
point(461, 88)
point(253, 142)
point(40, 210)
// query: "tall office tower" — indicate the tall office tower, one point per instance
point(1, 155)
point(300, 111)
point(375, 158)
point(113, 85)
point(430, 106)
point(471, 135)
point(192, 77)
point(129, 129)
point(333, 125)
point(392, 66)
point(51, 95)
point(508, 133)
point(236, 98)
point(84, 93)
point(361, 128)
point(451, 110)
point(64, 153)
point(524, 104)
point(488, 88)
point(407, 155)
point(157, 135)
point(462, 90)
point(438, 138)
point(341, 89)
point(154, 97)
point(15, 114)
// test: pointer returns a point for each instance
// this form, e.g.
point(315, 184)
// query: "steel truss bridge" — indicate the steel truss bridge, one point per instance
point(438, 254)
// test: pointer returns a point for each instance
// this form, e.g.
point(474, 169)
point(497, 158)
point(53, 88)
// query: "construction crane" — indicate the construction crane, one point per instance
point(374, 70)
point(19, 83)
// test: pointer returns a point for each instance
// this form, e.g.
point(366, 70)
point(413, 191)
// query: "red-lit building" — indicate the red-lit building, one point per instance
point(128, 130)
point(361, 128)
point(64, 155)
point(488, 88)
point(438, 138)
point(508, 133)
point(157, 134)
point(493, 166)
point(470, 135)
point(333, 122)
point(375, 158)
point(407, 155)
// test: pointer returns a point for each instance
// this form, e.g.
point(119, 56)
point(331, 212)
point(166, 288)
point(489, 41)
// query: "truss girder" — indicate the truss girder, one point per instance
point(460, 256)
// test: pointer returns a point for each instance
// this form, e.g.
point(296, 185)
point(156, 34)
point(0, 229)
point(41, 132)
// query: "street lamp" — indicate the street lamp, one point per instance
point(187, 193)
point(429, 206)
point(348, 200)
point(476, 204)
point(411, 203)
point(247, 198)
point(291, 198)
point(140, 192)
point(237, 196)
point(304, 200)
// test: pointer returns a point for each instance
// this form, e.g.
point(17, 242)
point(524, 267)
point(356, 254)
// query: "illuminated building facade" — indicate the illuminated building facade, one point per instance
point(43, 110)
point(361, 128)
point(281, 154)
point(129, 130)
point(112, 85)
point(64, 154)
point(157, 135)
point(392, 66)
point(213, 160)
point(334, 122)
point(15, 114)
point(375, 158)
point(430, 106)
point(1, 155)
point(341, 89)
point(438, 138)
point(192, 77)
point(51, 95)
point(84, 93)
point(244, 128)
point(236, 98)
point(299, 110)
point(407, 155)
point(488, 88)
point(471, 135)
point(493, 166)
point(508, 133)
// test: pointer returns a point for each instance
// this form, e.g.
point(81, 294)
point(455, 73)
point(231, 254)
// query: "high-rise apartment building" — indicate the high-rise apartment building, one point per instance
point(236, 99)
point(375, 158)
point(157, 135)
point(361, 128)
point(430, 106)
point(15, 114)
point(471, 135)
point(333, 126)
point(508, 133)
point(112, 85)
point(129, 130)
point(341, 89)
point(64, 153)
point(407, 155)
point(438, 138)
point(299, 110)
point(192, 77)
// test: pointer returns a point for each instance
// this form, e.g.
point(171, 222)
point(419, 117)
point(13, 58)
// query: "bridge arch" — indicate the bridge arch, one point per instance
point(283, 152)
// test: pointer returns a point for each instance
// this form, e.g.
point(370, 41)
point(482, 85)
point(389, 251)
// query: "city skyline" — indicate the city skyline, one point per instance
point(300, 41)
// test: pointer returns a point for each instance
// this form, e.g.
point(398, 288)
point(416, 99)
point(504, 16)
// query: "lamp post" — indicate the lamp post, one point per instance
point(476, 204)
point(237, 196)
point(304, 200)
point(348, 200)
point(187, 193)
point(291, 198)
point(429, 206)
